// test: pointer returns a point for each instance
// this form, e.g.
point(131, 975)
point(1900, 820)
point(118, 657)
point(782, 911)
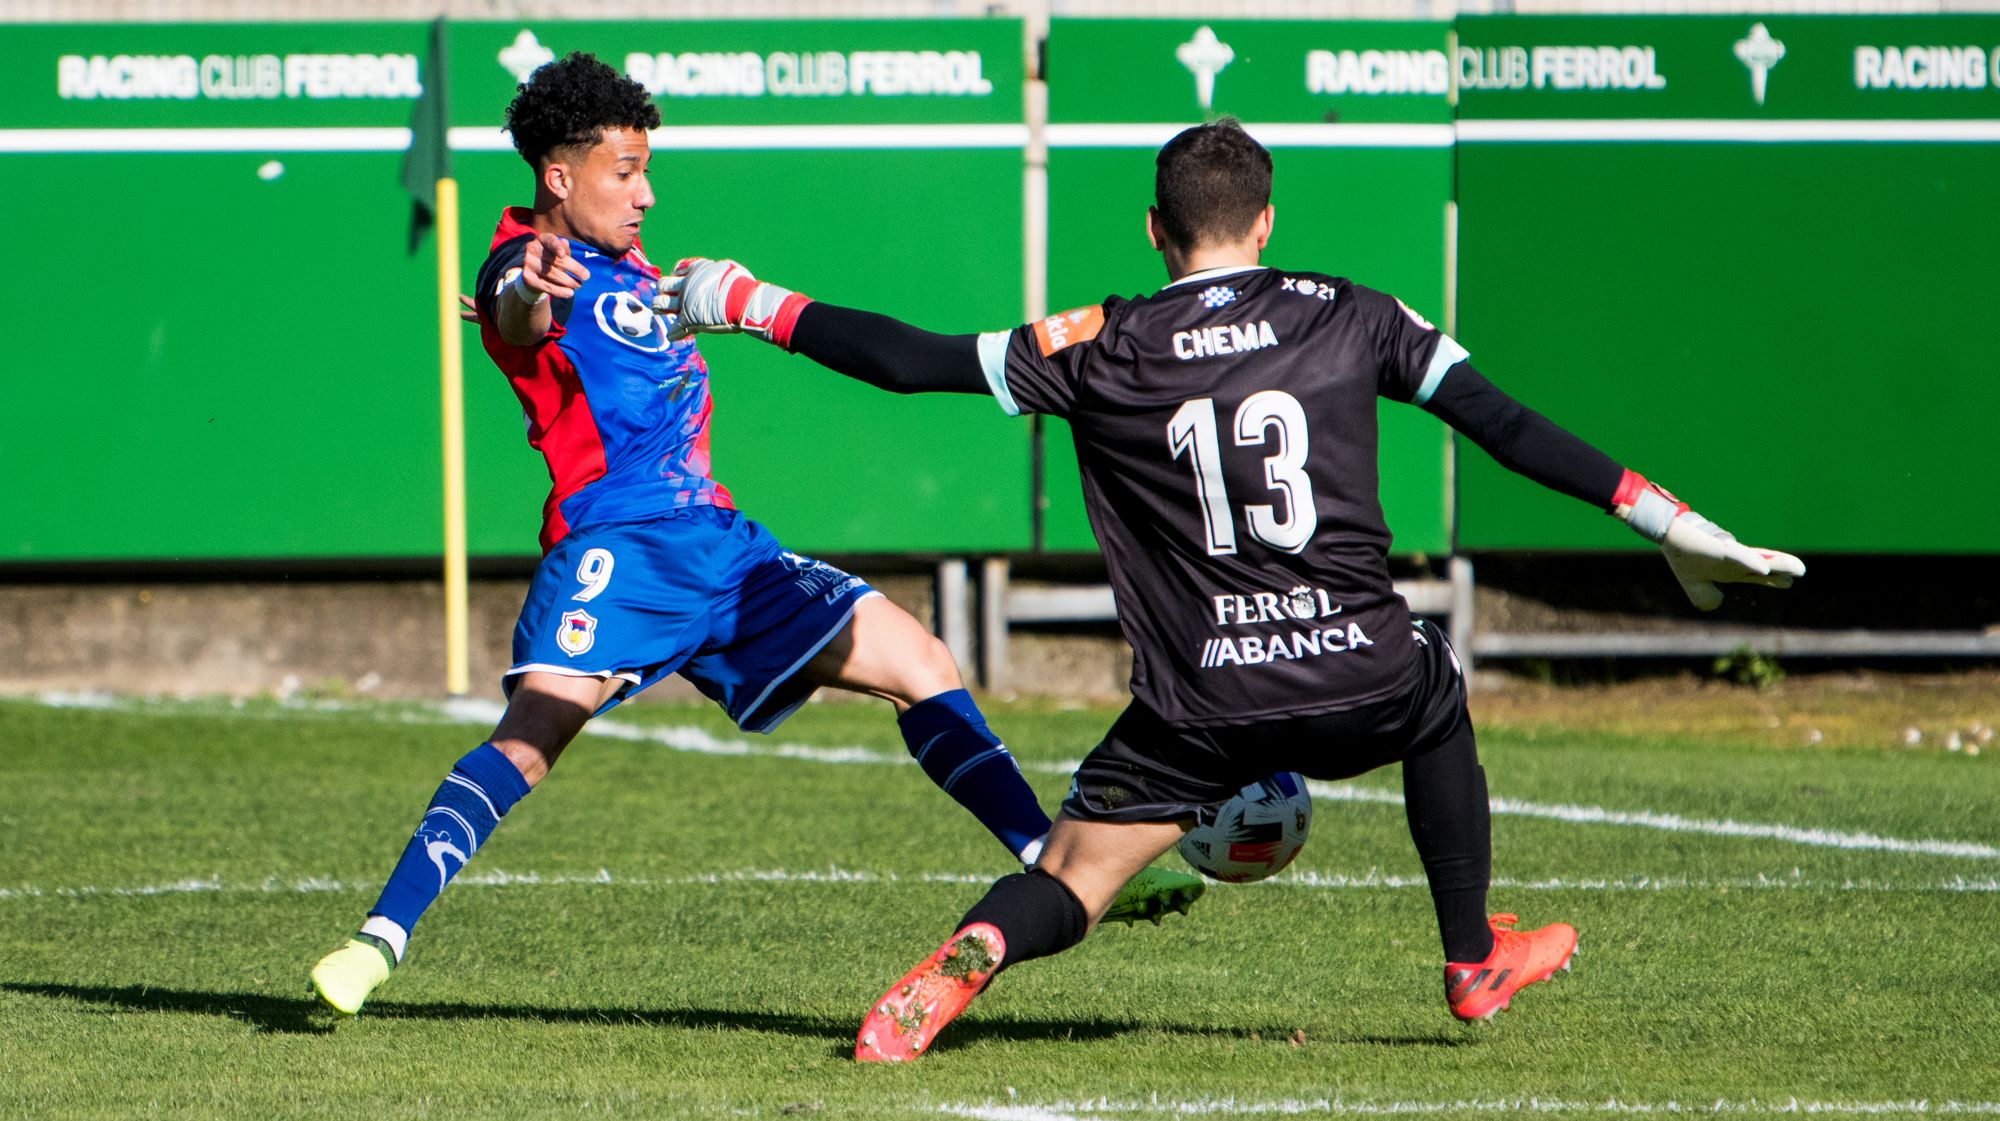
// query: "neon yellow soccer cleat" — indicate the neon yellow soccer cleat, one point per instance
point(1153, 894)
point(343, 979)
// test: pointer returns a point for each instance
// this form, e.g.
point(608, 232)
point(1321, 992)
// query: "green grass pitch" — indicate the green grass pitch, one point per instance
point(688, 922)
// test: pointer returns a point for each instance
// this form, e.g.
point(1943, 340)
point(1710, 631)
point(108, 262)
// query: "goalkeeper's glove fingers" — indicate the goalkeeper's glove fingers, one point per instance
point(704, 296)
point(1700, 553)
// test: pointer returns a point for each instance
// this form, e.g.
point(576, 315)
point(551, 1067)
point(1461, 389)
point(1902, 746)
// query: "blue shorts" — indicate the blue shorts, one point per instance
point(704, 592)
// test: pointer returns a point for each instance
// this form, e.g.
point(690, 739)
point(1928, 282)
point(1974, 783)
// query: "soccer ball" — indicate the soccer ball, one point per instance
point(1253, 835)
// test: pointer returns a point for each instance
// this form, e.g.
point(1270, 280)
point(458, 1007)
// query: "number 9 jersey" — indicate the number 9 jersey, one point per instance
point(1226, 432)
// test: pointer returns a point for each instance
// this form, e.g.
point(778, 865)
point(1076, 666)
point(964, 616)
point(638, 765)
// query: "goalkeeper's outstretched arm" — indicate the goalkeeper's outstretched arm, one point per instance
point(706, 296)
point(888, 353)
point(1700, 552)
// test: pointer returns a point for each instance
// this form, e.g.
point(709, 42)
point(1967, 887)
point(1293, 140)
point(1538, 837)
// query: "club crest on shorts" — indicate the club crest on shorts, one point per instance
point(577, 632)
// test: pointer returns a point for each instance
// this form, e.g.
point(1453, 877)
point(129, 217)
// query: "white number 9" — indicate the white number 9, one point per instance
point(594, 574)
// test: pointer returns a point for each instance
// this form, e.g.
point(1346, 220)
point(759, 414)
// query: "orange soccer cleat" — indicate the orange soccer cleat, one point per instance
point(1520, 958)
point(930, 996)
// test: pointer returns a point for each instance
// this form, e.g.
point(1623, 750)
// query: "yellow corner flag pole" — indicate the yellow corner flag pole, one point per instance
point(451, 371)
point(427, 176)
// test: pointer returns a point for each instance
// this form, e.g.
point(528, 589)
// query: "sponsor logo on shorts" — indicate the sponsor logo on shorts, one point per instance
point(818, 578)
point(842, 588)
point(577, 632)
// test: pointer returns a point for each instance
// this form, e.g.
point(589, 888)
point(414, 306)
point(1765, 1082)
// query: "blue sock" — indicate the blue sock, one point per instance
point(949, 738)
point(477, 793)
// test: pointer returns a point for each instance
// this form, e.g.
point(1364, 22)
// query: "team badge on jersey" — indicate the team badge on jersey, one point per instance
point(1217, 296)
point(577, 632)
point(1069, 328)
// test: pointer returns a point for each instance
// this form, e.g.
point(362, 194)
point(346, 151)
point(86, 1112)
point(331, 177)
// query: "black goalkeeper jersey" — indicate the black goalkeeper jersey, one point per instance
point(1226, 431)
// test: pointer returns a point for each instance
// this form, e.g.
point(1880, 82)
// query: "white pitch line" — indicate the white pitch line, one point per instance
point(1341, 1107)
point(699, 741)
point(1675, 823)
point(1297, 880)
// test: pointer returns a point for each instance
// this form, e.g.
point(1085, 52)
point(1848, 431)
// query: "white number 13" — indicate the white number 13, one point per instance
point(1192, 430)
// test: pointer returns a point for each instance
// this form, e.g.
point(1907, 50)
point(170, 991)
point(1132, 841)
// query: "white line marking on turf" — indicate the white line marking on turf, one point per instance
point(700, 741)
point(1675, 823)
point(1293, 1107)
point(1302, 880)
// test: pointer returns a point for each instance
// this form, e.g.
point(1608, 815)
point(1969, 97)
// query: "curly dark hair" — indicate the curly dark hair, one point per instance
point(1210, 183)
point(570, 102)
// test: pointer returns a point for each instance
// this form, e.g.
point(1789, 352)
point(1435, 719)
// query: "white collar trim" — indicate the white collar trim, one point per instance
point(1211, 274)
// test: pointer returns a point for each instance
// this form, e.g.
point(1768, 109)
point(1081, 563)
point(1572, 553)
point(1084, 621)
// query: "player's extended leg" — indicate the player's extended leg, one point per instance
point(886, 653)
point(1487, 962)
point(1031, 914)
point(545, 713)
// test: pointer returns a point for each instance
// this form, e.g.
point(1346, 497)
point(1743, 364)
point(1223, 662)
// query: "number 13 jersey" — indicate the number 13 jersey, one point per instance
point(1226, 431)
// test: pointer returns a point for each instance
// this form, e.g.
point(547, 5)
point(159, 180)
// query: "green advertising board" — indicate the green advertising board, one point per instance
point(873, 164)
point(1357, 115)
point(1748, 256)
point(248, 368)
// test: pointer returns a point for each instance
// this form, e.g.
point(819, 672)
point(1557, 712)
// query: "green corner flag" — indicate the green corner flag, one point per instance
point(429, 157)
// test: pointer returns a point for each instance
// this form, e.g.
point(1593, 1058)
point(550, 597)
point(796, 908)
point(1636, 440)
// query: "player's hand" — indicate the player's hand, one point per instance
point(704, 296)
point(547, 269)
point(695, 297)
point(468, 310)
point(1701, 553)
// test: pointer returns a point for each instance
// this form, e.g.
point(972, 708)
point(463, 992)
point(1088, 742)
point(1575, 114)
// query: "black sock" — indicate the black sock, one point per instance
point(1037, 915)
point(1444, 792)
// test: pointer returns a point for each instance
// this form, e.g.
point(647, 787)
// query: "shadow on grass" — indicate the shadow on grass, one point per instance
point(302, 1015)
point(299, 1015)
point(265, 1013)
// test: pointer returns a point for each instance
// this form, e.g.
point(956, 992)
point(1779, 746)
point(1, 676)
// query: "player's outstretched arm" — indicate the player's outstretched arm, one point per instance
point(706, 296)
point(1701, 553)
point(521, 312)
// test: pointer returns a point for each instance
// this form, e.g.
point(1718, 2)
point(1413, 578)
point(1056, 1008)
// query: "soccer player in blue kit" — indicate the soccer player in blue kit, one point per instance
point(648, 569)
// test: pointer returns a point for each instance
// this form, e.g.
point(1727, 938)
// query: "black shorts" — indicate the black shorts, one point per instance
point(1149, 770)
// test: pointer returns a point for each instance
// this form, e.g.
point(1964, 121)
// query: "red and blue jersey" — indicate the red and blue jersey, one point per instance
point(620, 414)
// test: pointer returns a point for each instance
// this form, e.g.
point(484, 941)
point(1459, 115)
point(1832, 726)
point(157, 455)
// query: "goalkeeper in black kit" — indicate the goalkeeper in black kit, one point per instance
point(1226, 431)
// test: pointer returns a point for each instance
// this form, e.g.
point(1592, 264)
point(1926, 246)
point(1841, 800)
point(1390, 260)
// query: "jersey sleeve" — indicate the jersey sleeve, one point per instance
point(1415, 355)
point(1035, 368)
point(501, 266)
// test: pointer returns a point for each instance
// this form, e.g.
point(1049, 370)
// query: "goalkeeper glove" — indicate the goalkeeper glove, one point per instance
point(1701, 553)
point(721, 297)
